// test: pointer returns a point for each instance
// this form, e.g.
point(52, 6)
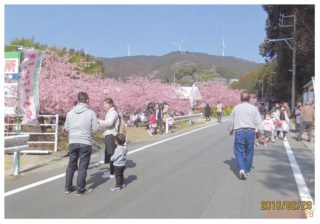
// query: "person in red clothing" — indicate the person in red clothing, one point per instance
point(152, 123)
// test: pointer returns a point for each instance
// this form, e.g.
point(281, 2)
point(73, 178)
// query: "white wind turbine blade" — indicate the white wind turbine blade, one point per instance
point(223, 45)
point(177, 44)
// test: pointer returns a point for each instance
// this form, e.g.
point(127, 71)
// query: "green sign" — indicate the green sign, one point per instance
point(12, 62)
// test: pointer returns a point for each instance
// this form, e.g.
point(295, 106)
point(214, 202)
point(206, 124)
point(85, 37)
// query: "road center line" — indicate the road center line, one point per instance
point(98, 162)
point(302, 187)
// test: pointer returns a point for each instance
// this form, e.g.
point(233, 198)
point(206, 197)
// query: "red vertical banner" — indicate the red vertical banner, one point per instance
point(11, 76)
point(28, 85)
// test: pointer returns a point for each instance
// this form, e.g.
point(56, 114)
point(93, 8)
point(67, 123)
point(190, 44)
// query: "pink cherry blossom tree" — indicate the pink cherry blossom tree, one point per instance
point(61, 81)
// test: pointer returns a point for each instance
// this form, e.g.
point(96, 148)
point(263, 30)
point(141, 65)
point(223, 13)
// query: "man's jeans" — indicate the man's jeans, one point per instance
point(83, 152)
point(243, 148)
point(304, 126)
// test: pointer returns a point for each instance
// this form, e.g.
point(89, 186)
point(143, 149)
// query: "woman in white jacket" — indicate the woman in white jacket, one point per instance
point(282, 122)
point(110, 124)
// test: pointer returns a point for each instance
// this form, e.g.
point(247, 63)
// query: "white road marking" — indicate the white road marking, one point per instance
point(33, 185)
point(302, 187)
point(99, 162)
point(169, 139)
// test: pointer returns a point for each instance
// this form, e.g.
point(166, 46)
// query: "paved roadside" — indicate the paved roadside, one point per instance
point(190, 175)
point(34, 165)
point(309, 145)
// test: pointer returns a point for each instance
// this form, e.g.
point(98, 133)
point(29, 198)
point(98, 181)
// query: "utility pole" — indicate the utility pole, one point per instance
point(262, 92)
point(294, 50)
point(292, 46)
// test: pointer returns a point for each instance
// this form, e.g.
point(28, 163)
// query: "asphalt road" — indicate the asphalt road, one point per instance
point(190, 176)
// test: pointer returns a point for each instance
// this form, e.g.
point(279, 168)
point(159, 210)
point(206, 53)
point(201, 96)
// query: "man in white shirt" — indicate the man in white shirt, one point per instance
point(245, 119)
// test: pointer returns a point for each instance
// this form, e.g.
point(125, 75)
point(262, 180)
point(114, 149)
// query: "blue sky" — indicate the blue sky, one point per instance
point(106, 30)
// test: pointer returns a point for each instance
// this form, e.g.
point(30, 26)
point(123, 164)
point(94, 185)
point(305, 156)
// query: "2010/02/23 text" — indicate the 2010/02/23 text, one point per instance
point(286, 205)
point(287, 208)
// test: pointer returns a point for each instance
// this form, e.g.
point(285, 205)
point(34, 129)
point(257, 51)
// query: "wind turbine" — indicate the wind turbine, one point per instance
point(223, 46)
point(179, 45)
point(129, 50)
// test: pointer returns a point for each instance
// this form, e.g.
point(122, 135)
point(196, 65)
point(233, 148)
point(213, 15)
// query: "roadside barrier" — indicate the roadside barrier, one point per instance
point(184, 118)
point(14, 144)
point(54, 125)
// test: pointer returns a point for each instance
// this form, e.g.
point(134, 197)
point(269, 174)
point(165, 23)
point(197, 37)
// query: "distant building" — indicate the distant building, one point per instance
point(220, 80)
point(190, 93)
point(308, 91)
point(233, 80)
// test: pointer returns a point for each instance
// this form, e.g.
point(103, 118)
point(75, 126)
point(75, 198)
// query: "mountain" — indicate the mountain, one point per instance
point(163, 67)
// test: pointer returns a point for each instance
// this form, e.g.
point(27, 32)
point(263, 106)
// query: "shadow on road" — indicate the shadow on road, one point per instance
point(34, 167)
point(96, 179)
point(130, 164)
point(232, 165)
point(279, 176)
point(130, 179)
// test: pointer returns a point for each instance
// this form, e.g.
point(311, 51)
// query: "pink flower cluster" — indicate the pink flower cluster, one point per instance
point(213, 92)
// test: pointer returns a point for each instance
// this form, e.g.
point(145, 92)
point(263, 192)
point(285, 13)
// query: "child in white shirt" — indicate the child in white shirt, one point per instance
point(268, 128)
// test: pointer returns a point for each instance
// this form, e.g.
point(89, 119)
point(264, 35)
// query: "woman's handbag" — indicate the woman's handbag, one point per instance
point(279, 122)
point(285, 127)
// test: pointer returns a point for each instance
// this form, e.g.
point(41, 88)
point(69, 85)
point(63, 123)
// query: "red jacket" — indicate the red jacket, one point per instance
point(152, 119)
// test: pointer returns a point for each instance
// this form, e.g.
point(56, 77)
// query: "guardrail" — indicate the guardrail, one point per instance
point(55, 125)
point(184, 118)
point(14, 144)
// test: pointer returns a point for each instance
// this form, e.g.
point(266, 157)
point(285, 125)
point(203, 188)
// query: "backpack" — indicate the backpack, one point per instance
point(121, 125)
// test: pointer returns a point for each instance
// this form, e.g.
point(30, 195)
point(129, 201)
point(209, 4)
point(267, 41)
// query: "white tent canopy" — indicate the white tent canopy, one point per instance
point(189, 93)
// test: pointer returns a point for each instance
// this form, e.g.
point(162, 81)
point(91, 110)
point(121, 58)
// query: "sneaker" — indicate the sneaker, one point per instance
point(111, 176)
point(72, 189)
point(123, 186)
point(257, 144)
point(86, 191)
point(242, 175)
point(249, 173)
point(116, 188)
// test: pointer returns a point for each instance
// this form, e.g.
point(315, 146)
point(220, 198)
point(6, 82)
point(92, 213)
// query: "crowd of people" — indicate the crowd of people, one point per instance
point(276, 123)
point(250, 130)
point(245, 122)
point(157, 115)
point(155, 118)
